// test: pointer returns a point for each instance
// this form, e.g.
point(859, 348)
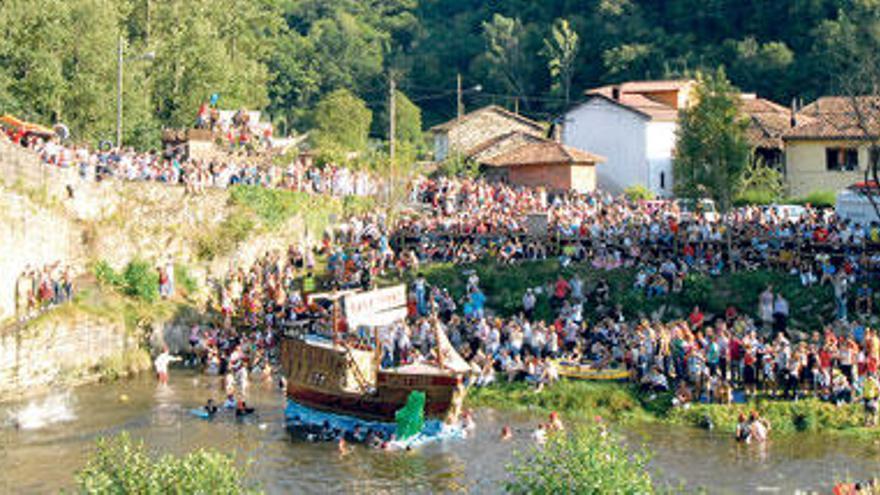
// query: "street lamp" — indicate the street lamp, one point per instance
point(120, 62)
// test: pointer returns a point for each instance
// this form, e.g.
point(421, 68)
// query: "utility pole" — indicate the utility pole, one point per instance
point(392, 110)
point(460, 103)
point(119, 62)
point(516, 105)
point(392, 130)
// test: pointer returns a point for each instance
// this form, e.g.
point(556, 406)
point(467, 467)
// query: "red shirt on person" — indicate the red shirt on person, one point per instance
point(562, 288)
point(696, 318)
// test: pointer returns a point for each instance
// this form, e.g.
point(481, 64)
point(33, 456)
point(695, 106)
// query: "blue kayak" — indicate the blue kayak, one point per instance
point(200, 413)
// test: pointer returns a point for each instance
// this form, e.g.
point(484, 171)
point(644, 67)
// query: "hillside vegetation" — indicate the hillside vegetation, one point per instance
point(58, 59)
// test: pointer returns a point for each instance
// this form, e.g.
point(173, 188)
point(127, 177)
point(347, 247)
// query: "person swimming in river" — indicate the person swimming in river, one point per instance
point(242, 409)
point(742, 429)
point(210, 407)
point(342, 445)
point(754, 429)
point(506, 433)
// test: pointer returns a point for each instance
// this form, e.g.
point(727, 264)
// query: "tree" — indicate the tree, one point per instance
point(341, 123)
point(408, 126)
point(711, 149)
point(853, 42)
point(121, 465)
point(589, 460)
point(561, 50)
point(504, 51)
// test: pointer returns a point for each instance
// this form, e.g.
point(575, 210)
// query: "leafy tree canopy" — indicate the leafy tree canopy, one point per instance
point(711, 150)
point(58, 59)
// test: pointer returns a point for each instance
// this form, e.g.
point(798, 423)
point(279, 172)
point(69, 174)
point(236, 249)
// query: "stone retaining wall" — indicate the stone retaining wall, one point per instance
point(56, 351)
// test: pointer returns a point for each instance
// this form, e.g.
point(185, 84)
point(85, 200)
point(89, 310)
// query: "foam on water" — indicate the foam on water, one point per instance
point(433, 431)
point(41, 413)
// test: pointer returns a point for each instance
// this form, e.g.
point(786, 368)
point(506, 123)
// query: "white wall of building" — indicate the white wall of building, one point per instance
point(660, 146)
point(601, 127)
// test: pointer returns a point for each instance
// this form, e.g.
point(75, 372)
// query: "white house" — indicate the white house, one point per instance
point(633, 125)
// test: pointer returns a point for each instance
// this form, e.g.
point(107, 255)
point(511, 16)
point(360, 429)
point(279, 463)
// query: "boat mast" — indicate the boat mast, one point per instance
point(436, 326)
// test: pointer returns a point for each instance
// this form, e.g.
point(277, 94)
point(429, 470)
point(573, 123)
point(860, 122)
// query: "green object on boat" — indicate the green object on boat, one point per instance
point(411, 418)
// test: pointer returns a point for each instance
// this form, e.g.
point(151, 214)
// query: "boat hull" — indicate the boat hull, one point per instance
point(330, 379)
point(371, 407)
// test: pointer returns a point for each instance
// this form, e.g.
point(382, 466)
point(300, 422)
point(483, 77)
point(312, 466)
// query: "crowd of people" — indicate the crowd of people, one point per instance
point(172, 167)
point(41, 287)
point(463, 220)
point(724, 358)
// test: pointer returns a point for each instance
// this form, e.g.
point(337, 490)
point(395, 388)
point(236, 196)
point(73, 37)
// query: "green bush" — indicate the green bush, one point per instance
point(106, 275)
point(183, 278)
point(755, 197)
point(138, 279)
point(638, 192)
point(818, 199)
point(588, 460)
point(141, 281)
point(232, 230)
point(121, 465)
point(457, 166)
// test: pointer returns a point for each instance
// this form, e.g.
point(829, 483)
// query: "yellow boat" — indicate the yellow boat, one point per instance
point(576, 371)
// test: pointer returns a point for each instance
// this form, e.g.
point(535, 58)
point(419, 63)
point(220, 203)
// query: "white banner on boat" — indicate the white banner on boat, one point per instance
point(360, 306)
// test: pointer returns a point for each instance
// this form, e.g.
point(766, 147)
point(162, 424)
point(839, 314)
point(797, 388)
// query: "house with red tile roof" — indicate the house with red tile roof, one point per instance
point(466, 135)
point(633, 124)
point(544, 163)
point(829, 146)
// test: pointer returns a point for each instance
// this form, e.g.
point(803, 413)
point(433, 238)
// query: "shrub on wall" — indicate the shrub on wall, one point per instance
point(138, 279)
point(638, 192)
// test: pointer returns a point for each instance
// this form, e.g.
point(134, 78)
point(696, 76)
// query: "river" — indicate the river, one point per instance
point(58, 432)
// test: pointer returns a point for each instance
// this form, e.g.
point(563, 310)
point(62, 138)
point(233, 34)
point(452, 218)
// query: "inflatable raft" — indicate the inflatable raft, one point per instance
point(577, 371)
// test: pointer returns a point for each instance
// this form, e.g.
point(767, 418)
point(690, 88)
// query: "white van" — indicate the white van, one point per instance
point(705, 206)
point(853, 204)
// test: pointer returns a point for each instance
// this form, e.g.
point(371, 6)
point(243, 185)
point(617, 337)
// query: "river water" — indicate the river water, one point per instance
point(57, 433)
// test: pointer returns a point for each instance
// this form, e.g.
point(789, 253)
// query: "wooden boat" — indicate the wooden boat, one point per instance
point(330, 374)
point(587, 372)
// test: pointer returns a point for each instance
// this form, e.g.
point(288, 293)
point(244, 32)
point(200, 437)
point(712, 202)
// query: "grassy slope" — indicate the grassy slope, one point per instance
point(504, 286)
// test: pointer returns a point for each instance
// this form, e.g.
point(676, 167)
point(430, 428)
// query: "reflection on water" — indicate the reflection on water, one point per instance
point(44, 458)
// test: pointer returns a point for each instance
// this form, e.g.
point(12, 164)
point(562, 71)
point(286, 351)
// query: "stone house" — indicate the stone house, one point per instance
point(474, 131)
point(829, 146)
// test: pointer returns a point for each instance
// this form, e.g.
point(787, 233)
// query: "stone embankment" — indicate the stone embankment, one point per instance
point(63, 351)
point(50, 215)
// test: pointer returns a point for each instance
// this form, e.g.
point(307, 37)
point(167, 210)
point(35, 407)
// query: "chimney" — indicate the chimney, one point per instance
point(615, 93)
point(794, 110)
point(556, 131)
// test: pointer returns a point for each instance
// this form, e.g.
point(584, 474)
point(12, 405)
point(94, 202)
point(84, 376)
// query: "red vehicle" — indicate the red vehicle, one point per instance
point(19, 130)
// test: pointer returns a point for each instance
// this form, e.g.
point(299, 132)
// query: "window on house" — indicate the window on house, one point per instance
point(842, 159)
point(662, 180)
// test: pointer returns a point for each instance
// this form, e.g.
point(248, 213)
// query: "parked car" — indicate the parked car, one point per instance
point(853, 203)
point(788, 212)
point(705, 208)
